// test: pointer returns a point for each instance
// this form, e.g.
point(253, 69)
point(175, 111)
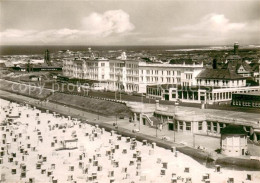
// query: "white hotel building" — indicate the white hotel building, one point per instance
point(176, 80)
point(211, 86)
point(132, 75)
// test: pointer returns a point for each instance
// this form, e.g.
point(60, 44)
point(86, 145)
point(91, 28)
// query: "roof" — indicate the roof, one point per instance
point(9, 64)
point(181, 88)
point(181, 61)
point(256, 93)
point(2, 65)
point(155, 120)
point(233, 57)
point(245, 66)
point(162, 86)
point(234, 66)
point(218, 74)
point(255, 67)
point(234, 129)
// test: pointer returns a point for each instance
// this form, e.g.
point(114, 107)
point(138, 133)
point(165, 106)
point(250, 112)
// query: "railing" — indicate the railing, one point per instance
point(160, 108)
point(232, 120)
point(148, 119)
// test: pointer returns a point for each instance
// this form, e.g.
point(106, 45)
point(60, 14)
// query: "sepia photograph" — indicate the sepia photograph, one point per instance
point(129, 91)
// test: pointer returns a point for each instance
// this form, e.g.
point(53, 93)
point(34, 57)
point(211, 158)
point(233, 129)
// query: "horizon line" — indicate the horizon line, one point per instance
point(132, 45)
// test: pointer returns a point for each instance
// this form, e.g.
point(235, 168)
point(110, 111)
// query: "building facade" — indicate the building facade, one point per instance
point(211, 86)
point(233, 141)
point(132, 75)
point(193, 121)
point(246, 99)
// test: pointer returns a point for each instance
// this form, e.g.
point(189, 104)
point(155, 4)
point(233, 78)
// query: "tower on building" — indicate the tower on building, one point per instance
point(123, 56)
point(29, 66)
point(215, 62)
point(47, 57)
point(236, 45)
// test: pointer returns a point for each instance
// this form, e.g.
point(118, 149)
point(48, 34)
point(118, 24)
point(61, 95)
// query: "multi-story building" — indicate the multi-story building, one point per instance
point(132, 75)
point(212, 86)
point(83, 68)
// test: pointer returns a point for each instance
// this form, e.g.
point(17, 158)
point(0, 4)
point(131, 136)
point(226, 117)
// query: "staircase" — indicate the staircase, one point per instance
point(148, 120)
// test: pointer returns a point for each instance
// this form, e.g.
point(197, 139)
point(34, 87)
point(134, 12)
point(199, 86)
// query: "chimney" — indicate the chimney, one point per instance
point(214, 65)
point(236, 45)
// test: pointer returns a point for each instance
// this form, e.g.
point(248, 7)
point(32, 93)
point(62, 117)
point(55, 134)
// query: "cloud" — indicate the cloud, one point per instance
point(113, 23)
point(15, 36)
point(216, 29)
point(15, 33)
point(212, 23)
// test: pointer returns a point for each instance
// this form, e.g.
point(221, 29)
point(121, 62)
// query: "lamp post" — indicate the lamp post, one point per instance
point(194, 140)
point(174, 135)
point(116, 119)
point(139, 122)
point(157, 125)
point(156, 129)
point(120, 94)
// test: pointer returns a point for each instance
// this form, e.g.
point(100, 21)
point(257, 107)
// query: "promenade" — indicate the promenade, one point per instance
point(181, 139)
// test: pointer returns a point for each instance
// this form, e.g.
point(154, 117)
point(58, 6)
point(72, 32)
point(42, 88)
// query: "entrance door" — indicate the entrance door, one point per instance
point(243, 151)
point(170, 126)
point(144, 121)
point(166, 96)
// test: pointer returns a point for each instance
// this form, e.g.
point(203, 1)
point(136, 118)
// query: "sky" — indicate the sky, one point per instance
point(125, 22)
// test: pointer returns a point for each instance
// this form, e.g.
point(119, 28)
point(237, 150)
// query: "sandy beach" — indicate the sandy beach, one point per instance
point(47, 147)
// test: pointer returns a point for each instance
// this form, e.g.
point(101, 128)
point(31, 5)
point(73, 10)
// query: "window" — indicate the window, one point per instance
point(103, 76)
point(188, 76)
point(102, 64)
point(215, 127)
point(200, 126)
point(221, 125)
point(188, 126)
point(209, 126)
point(181, 125)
